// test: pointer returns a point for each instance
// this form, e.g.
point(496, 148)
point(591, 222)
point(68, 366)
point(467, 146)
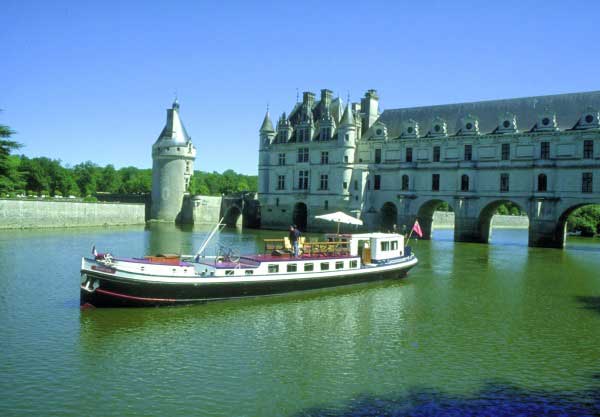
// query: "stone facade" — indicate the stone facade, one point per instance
point(173, 157)
point(542, 153)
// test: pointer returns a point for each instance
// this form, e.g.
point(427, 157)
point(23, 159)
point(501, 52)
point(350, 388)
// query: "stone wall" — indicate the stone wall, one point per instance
point(25, 214)
point(445, 220)
point(205, 209)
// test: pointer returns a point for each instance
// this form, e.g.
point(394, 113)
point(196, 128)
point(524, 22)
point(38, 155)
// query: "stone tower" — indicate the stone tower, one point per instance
point(173, 157)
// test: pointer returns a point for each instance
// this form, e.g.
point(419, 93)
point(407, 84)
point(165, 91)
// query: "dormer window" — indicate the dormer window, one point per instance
point(589, 118)
point(506, 124)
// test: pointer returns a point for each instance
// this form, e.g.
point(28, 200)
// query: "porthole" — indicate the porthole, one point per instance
point(589, 118)
point(506, 124)
point(410, 130)
point(469, 126)
point(545, 121)
point(437, 128)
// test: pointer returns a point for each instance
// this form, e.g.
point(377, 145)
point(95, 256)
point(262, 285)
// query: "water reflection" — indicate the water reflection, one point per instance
point(167, 238)
point(494, 399)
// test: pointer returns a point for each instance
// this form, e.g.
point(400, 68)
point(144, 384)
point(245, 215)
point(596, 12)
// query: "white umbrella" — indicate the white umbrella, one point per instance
point(340, 217)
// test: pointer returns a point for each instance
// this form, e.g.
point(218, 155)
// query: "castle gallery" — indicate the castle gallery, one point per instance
point(543, 153)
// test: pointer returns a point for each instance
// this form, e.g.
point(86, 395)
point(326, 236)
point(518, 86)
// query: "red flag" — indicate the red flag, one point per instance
point(417, 229)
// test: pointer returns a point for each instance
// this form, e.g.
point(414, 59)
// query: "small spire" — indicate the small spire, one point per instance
point(267, 125)
point(347, 118)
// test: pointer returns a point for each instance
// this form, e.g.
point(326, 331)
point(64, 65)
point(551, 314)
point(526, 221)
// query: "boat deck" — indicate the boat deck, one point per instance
point(253, 261)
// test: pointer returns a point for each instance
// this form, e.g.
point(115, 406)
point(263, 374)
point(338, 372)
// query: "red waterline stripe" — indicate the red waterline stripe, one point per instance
point(131, 297)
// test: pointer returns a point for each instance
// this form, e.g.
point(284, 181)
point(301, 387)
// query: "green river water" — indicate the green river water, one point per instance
point(498, 329)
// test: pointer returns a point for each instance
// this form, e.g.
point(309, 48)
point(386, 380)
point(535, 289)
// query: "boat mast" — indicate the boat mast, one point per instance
point(215, 229)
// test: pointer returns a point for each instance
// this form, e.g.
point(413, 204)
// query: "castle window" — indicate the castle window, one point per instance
point(303, 155)
point(464, 183)
point(326, 205)
point(586, 182)
point(345, 185)
point(405, 182)
point(355, 185)
point(589, 118)
point(436, 154)
point(505, 151)
point(377, 156)
point(326, 133)
point(435, 182)
point(545, 150)
point(324, 185)
point(277, 202)
point(303, 180)
point(345, 159)
point(588, 149)
point(324, 158)
point(347, 137)
point(504, 183)
point(542, 182)
point(408, 154)
point(281, 159)
point(377, 182)
point(281, 182)
point(468, 152)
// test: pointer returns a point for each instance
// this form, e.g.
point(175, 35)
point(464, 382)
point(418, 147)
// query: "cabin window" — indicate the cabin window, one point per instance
point(273, 268)
point(353, 264)
point(249, 272)
point(292, 267)
point(324, 266)
point(229, 272)
point(394, 245)
point(385, 246)
point(309, 267)
point(339, 265)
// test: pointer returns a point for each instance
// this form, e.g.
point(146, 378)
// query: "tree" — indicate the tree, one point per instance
point(9, 174)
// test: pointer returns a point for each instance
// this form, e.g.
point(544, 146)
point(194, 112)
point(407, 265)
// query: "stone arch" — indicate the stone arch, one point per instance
point(425, 215)
point(300, 216)
point(487, 213)
point(233, 216)
point(560, 233)
point(388, 216)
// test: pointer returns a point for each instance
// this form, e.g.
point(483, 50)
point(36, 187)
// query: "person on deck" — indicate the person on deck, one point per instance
point(294, 237)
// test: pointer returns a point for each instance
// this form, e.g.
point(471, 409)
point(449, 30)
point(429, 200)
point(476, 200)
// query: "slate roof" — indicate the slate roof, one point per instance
point(567, 107)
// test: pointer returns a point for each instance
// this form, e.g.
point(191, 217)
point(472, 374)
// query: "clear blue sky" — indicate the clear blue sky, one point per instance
point(91, 80)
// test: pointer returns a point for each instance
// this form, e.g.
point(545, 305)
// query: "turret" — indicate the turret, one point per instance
point(267, 133)
point(173, 156)
point(347, 142)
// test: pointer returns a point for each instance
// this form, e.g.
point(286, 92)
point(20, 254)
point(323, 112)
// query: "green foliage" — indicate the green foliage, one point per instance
point(9, 176)
point(213, 183)
point(586, 220)
point(90, 199)
point(510, 209)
